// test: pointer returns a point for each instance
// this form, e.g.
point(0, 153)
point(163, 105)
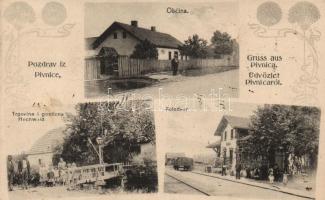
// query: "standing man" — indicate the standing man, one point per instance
point(24, 170)
point(62, 165)
point(10, 171)
point(238, 170)
point(223, 170)
point(175, 63)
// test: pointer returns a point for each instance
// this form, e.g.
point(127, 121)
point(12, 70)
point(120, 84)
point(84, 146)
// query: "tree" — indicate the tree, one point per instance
point(122, 130)
point(194, 47)
point(287, 129)
point(222, 42)
point(145, 50)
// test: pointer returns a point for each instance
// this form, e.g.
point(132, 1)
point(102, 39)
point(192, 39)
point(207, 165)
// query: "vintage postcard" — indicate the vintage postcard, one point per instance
point(151, 99)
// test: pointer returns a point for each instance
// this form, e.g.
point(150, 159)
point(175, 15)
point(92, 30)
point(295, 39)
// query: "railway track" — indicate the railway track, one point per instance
point(188, 184)
point(273, 189)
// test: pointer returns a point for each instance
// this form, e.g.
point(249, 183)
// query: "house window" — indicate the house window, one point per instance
point(115, 35)
point(169, 55)
point(232, 134)
point(225, 136)
point(124, 34)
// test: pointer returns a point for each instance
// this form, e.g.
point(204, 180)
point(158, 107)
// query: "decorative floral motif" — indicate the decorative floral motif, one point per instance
point(269, 13)
point(21, 16)
point(304, 14)
point(54, 13)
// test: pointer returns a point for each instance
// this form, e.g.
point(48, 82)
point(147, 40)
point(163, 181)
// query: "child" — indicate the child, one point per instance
point(271, 176)
point(285, 179)
point(56, 176)
point(50, 177)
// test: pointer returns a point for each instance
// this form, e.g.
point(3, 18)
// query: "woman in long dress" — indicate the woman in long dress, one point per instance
point(43, 173)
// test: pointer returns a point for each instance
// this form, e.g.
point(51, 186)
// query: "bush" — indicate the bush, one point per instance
point(143, 176)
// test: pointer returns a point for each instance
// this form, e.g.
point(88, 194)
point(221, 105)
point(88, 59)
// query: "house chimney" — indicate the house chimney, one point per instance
point(134, 23)
point(153, 28)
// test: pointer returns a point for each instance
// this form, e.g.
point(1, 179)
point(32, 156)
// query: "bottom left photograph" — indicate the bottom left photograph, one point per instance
point(98, 148)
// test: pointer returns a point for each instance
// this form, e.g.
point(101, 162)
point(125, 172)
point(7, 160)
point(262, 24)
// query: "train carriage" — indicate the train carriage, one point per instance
point(184, 163)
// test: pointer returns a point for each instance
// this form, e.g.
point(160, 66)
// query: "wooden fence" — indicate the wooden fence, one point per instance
point(128, 67)
point(92, 68)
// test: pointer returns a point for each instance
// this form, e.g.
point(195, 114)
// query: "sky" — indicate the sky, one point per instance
point(191, 132)
point(203, 19)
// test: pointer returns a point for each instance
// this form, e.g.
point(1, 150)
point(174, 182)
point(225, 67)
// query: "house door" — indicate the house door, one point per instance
point(231, 155)
point(108, 60)
point(224, 155)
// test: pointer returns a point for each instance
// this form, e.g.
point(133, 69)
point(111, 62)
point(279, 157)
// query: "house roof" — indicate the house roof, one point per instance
point(234, 121)
point(48, 142)
point(89, 42)
point(214, 144)
point(158, 38)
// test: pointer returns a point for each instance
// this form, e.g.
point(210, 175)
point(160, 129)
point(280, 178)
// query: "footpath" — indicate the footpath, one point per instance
point(275, 187)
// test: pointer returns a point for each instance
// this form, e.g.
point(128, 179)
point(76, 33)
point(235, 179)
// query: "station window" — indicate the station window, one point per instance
point(169, 55)
point(115, 35)
point(232, 134)
point(124, 34)
point(225, 136)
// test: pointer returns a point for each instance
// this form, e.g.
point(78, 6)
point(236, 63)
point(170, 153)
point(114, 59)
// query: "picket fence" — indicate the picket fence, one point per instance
point(92, 68)
point(129, 67)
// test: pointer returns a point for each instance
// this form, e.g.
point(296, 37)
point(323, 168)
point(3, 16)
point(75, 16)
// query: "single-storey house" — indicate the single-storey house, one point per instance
point(44, 148)
point(124, 37)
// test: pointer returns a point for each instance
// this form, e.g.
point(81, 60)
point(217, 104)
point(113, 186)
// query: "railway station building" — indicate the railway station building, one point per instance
point(230, 130)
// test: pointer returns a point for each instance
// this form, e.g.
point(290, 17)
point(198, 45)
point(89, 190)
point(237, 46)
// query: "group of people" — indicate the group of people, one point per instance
point(23, 172)
point(56, 175)
point(238, 169)
point(19, 173)
point(272, 174)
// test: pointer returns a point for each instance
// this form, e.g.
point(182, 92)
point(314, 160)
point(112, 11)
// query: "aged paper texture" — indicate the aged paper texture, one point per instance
point(162, 99)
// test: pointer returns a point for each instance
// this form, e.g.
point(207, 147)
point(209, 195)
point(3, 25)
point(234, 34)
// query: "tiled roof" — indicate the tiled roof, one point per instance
point(158, 38)
point(234, 121)
point(89, 42)
point(48, 142)
point(238, 122)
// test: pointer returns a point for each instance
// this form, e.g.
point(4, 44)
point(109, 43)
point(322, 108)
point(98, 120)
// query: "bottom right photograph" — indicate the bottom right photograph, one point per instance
point(249, 151)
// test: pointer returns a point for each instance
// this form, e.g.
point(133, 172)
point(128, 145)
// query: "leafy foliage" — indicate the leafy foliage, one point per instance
point(145, 50)
point(222, 42)
point(279, 128)
point(121, 127)
point(194, 47)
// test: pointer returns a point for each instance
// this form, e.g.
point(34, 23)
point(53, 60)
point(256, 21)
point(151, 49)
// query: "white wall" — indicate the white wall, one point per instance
point(46, 158)
point(163, 53)
point(124, 46)
point(229, 144)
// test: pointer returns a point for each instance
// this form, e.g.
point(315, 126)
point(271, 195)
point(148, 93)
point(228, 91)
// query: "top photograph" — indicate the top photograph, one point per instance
point(162, 49)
